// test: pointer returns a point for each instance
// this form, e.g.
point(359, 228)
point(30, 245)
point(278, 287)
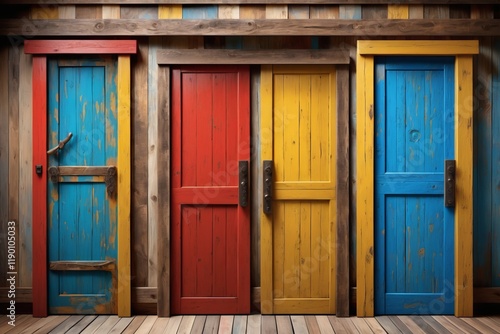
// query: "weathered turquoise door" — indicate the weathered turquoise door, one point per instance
point(82, 187)
point(414, 134)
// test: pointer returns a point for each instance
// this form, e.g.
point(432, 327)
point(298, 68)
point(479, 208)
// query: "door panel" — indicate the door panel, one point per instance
point(82, 213)
point(210, 230)
point(414, 134)
point(298, 117)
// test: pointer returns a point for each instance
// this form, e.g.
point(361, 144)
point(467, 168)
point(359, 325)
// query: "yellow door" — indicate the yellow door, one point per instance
point(298, 234)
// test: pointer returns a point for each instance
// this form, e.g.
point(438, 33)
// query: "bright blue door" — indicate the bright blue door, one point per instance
point(414, 134)
point(82, 187)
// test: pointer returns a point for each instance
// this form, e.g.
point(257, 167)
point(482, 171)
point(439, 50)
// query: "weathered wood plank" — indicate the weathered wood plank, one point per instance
point(139, 12)
point(180, 56)
point(324, 12)
point(82, 265)
point(23, 295)
point(417, 48)
point(343, 198)
point(252, 12)
point(465, 325)
point(199, 323)
point(163, 160)
point(4, 158)
point(159, 325)
point(68, 324)
point(14, 145)
point(416, 12)
point(460, 12)
point(239, 324)
point(44, 12)
point(299, 324)
point(111, 11)
point(144, 295)
point(67, 12)
point(487, 295)
point(146, 325)
point(173, 324)
point(436, 12)
point(387, 324)
point(211, 324)
point(94, 325)
point(139, 102)
point(186, 324)
point(340, 2)
point(226, 324)
point(256, 27)
point(82, 324)
point(397, 12)
point(253, 323)
point(374, 12)
point(88, 12)
point(268, 324)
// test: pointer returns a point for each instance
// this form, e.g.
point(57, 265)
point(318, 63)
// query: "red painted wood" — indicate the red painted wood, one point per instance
point(40, 187)
point(210, 231)
point(80, 46)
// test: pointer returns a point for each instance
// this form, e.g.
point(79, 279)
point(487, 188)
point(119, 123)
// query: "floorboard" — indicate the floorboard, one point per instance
point(241, 324)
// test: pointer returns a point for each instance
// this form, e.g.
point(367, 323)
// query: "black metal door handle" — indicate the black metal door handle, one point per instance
point(449, 183)
point(268, 186)
point(243, 183)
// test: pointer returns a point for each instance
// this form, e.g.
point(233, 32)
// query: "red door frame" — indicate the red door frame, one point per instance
point(40, 49)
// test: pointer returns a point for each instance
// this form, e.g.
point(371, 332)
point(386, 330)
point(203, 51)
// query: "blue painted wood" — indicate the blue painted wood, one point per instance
point(193, 12)
point(414, 134)
point(495, 184)
point(82, 100)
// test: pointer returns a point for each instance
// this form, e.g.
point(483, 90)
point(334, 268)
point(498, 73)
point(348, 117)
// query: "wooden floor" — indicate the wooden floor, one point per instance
point(250, 324)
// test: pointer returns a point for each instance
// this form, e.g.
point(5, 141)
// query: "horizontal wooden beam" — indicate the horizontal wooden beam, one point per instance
point(23, 295)
point(487, 295)
point(145, 295)
point(274, 27)
point(80, 47)
point(452, 47)
point(242, 2)
point(251, 57)
point(84, 170)
point(83, 265)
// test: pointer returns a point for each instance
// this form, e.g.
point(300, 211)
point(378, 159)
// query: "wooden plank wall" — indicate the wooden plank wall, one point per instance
point(15, 123)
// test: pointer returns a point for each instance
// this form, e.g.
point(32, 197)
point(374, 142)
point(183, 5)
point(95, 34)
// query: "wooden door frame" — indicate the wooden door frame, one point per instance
point(463, 52)
point(40, 49)
point(167, 57)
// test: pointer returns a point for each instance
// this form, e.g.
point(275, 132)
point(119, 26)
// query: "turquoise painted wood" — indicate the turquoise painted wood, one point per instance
point(194, 12)
point(82, 218)
point(414, 134)
point(487, 175)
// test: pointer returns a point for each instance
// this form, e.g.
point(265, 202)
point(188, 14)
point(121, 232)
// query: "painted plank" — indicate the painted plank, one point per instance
point(417, 47)
point(25, 171)
point(252, 12)
point(230, 12)
point(463, 209)
point(191, 12)
point(397, 11)
point(40, 186)
point(364, 202)
point(139, 12)
point(123, 166)
point(80, 47)
point(163, 186)
point(44, 12)
point(4, 157)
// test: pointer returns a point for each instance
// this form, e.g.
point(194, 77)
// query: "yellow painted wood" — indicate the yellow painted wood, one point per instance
point(463, 51)
point(123, 164)
point(365, 190)
point(457, 47)
point(298, 120)
point(170, 12)
point(266, 151)
point(397, 11)
point(464, 198)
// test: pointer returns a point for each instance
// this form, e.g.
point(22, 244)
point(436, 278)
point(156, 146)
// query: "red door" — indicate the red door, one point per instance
point(210, 209)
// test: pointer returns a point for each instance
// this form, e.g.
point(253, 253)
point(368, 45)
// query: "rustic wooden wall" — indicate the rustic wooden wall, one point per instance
point(15, 121)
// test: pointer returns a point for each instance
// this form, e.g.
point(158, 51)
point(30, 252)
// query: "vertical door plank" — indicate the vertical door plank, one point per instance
point(13, 120)
point(484, 186)
point(124, 178)
point(4, 158)
point(25, 171)
point(463, 209)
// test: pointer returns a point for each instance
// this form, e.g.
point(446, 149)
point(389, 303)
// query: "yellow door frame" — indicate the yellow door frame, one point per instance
point(463, 52)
